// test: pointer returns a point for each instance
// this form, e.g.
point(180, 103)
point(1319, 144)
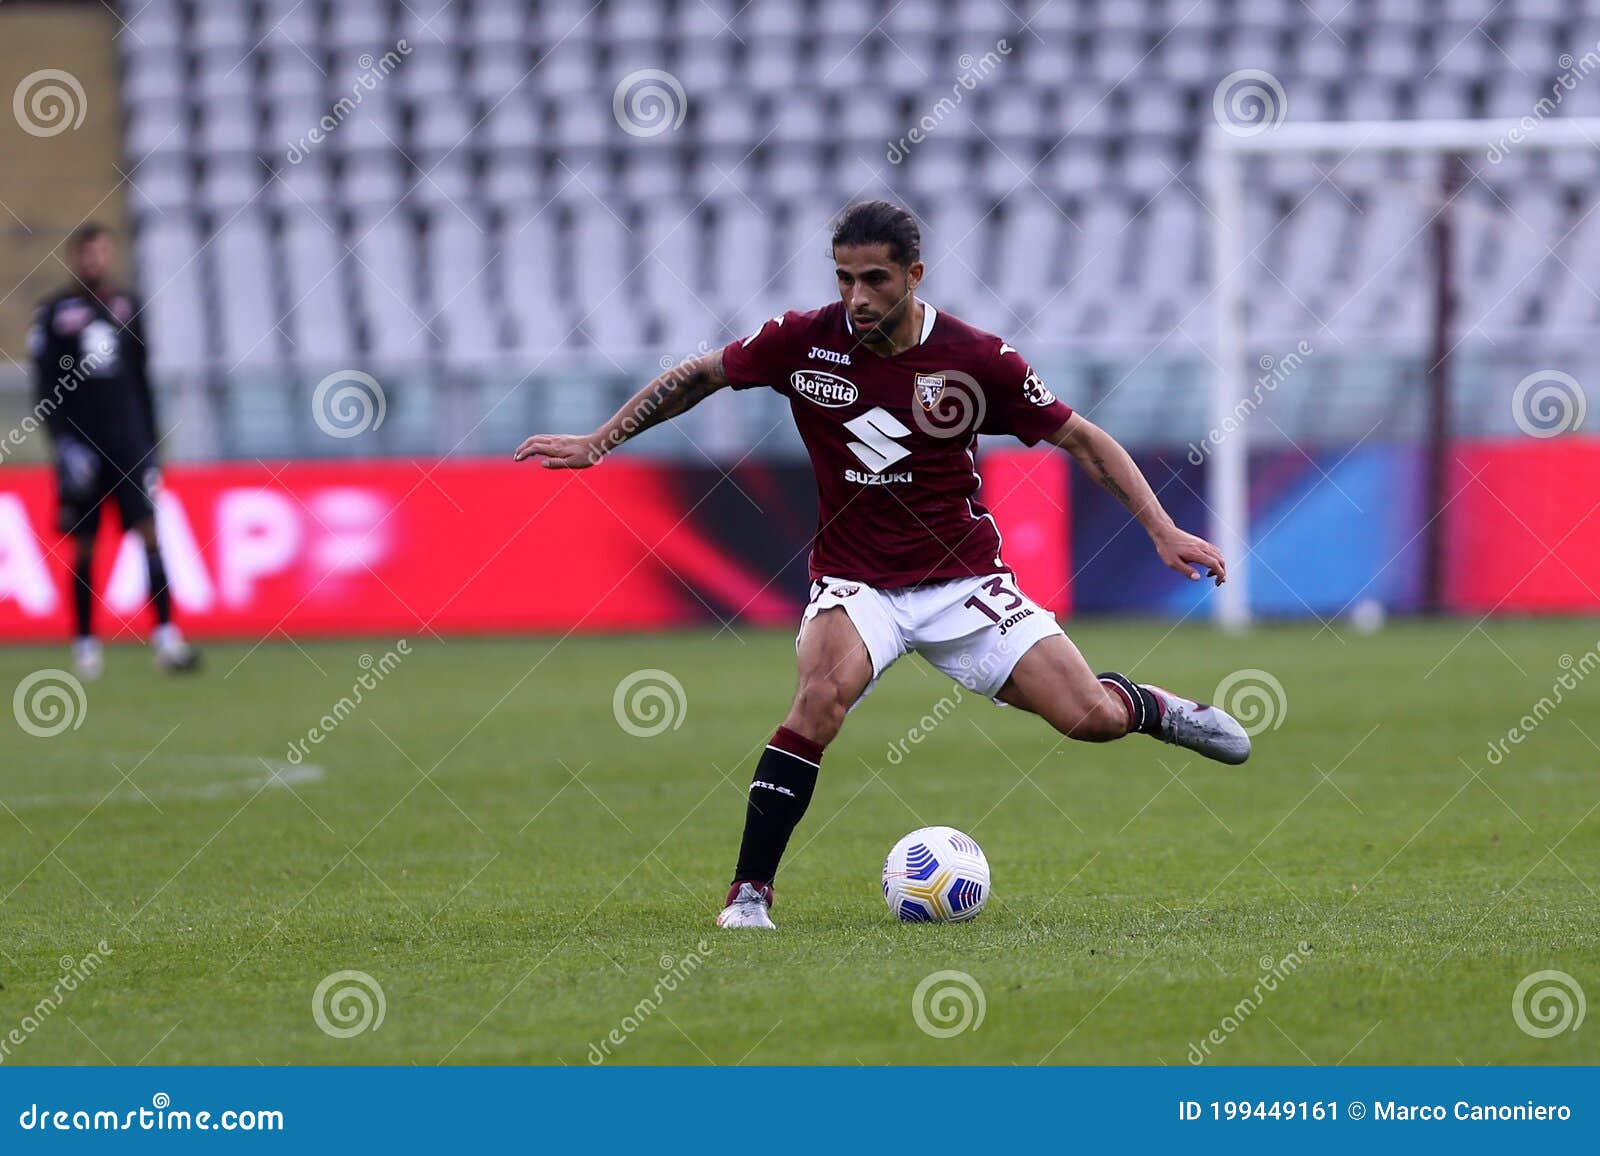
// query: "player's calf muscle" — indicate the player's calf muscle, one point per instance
point(1093, 718)
point(1054, 682)
point(1098, 721)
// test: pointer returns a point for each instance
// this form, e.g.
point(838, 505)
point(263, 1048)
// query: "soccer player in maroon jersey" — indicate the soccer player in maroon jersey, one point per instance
point(890, 397)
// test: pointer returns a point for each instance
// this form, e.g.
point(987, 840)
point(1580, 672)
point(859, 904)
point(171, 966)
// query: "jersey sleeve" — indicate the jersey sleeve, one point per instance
point(1019, 402)
point(764, 357)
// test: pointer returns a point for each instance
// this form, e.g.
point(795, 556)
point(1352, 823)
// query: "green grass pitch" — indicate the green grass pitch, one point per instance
point(523, 878)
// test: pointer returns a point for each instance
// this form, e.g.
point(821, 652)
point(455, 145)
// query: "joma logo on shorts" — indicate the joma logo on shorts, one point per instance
point(1008, 623)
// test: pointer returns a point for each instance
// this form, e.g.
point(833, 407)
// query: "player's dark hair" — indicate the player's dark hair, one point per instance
point(880, 223)
point(89, 231)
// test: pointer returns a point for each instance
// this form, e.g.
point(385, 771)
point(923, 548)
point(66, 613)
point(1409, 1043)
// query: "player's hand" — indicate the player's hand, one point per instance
point(561, 451)
point(1183, 551)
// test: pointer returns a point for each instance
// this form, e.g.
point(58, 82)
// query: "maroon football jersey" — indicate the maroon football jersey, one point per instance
point(893, 440)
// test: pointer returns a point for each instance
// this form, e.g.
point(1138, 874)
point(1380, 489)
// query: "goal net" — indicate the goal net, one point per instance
point(1396, 304)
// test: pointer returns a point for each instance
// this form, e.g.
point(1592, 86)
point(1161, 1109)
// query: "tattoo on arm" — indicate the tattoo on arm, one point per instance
point(1110, 484)
point(671, 394)
point(716, 375)
point(1099, 455)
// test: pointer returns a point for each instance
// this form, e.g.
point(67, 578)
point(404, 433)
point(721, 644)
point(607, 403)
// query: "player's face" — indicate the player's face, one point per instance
point(876, 290)
point(92, 261)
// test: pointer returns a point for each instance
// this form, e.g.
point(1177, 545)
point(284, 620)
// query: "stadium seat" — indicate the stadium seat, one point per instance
point(483, 200)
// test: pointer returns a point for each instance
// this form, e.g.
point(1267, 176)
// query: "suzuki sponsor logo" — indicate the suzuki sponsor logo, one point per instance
point(825, 389)
point(862, 478)
point(819, 354)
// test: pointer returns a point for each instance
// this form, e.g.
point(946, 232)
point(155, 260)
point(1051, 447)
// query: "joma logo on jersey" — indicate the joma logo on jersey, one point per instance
point(824, 388)
point(820, 354)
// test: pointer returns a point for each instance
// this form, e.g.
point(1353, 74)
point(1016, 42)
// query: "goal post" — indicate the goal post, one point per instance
point(1225, 153)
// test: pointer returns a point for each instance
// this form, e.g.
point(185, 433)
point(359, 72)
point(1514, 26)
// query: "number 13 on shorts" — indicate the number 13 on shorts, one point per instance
point(995, 599)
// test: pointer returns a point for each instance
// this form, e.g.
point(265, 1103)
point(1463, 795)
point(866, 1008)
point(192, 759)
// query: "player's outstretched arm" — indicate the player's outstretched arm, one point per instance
point(1103, 459)
point(676, 391)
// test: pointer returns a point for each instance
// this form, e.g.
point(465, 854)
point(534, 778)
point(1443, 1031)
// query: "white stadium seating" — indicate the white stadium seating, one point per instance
point(482, 204)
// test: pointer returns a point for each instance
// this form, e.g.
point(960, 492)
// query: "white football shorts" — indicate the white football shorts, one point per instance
point(975, 630)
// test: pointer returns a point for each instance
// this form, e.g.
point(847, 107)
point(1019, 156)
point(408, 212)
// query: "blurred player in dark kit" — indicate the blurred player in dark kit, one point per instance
point(93, 392)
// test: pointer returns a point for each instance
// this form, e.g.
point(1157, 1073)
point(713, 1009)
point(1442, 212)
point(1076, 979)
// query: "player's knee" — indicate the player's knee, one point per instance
point(820, 705)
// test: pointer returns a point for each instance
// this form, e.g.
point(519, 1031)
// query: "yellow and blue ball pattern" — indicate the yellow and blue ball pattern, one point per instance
point(936, 875)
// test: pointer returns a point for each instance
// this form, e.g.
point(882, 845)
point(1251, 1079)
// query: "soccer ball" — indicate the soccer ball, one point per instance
point(936, 875)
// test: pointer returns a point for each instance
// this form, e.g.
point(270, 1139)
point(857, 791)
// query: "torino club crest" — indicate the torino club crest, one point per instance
point(930, 388)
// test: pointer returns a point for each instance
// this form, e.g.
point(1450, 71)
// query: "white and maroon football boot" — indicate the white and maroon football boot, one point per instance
point(1200, 727)
point(748, 905)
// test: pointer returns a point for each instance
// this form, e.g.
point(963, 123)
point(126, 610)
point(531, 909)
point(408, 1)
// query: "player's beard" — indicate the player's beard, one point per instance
point(878, 332)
